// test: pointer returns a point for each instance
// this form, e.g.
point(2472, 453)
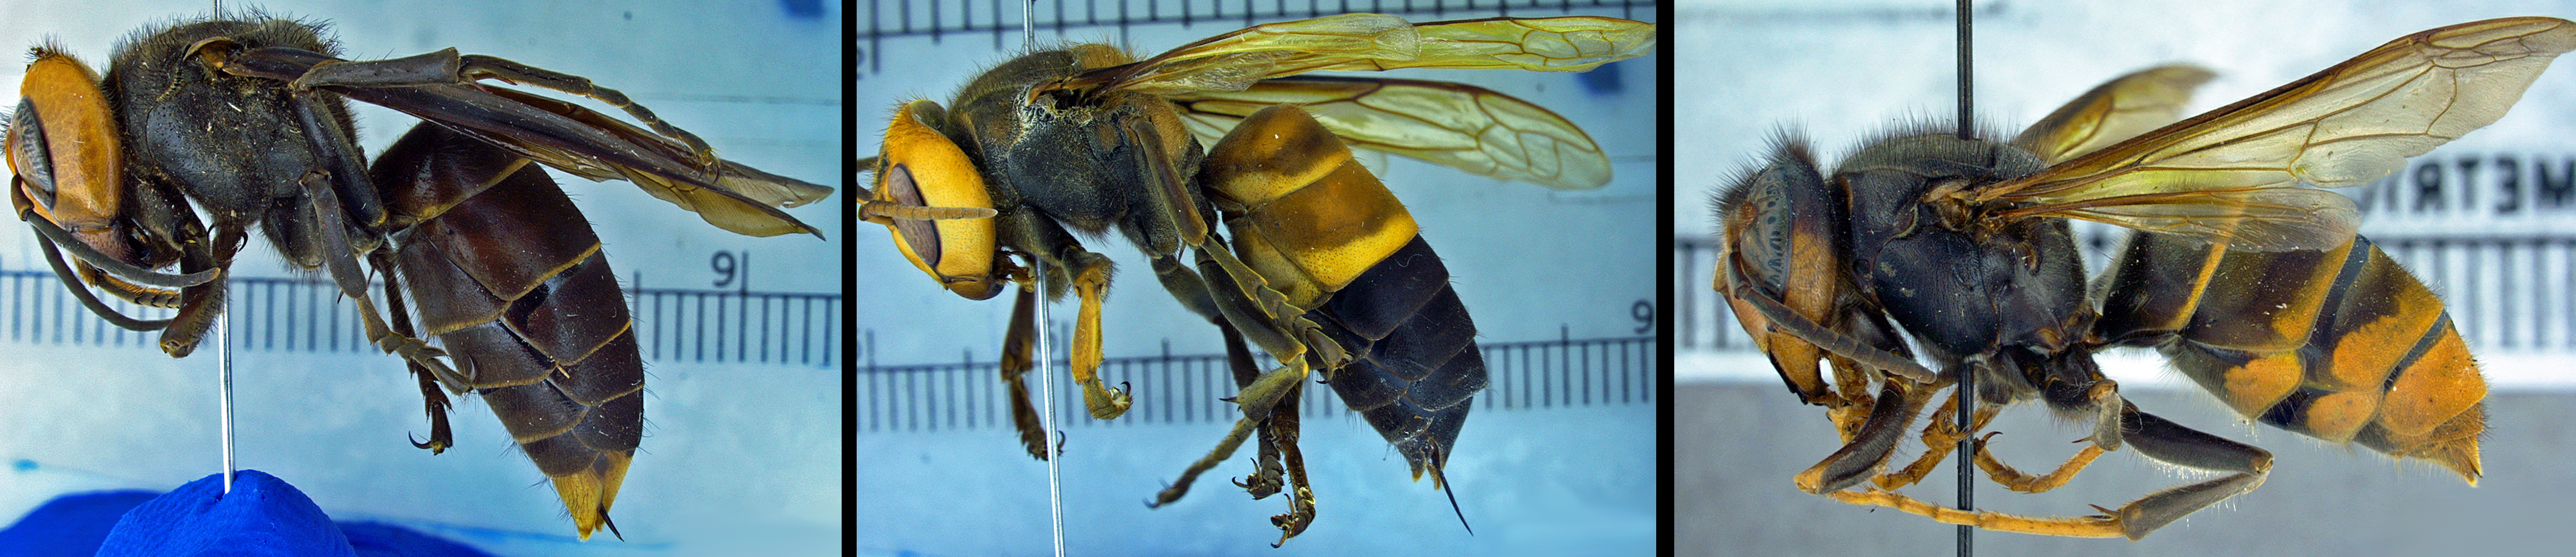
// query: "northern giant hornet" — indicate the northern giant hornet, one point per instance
point(1317, 263)
point(2257, 289)
point(244, 116)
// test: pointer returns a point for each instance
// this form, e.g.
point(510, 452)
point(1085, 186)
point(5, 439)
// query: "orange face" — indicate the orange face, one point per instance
point(63, 148)
point(922, 168)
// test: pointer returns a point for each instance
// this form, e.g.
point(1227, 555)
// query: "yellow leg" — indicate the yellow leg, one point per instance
point(1881, 429)
point(1091, 283)
point(1849, 405)
point(2152, 436)
point(2017, 481)
point(1940, 438)
point(2097, 526)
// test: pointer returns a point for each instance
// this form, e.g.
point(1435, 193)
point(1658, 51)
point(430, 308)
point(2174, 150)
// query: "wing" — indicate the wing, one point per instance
point(563, 135)
point(1371, 42)
point(1457, 125)
point(585, 143)
point(2233, 173)
point(2115, 111)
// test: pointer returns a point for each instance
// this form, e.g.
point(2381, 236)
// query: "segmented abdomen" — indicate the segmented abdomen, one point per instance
point(1324, 232)
point(511, 280)
point(2343, 344)
point(1415, 365)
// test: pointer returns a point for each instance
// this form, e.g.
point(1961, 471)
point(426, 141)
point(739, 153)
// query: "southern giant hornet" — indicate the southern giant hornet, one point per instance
point(245, 116)
point(2257, 289)
point(1317, 264)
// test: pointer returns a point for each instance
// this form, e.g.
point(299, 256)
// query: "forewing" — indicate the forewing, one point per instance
point(2123, 108)
point(1457, 125)
point(2347, 125)
point(586, 143)
point(1370, 42)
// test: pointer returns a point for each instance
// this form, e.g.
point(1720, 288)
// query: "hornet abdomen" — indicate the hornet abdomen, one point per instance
point(509, 276)
point(1322, 230)
point(2342, 344)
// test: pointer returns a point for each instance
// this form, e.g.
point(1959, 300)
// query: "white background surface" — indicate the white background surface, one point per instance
point(736, 459)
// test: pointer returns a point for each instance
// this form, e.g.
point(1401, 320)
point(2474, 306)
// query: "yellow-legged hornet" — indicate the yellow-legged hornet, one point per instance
point(244, 117)
point(1316, 264)
point(2256, 288)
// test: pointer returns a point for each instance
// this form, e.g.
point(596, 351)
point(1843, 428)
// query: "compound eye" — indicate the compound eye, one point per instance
point(28, 156)
point(921, 236)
